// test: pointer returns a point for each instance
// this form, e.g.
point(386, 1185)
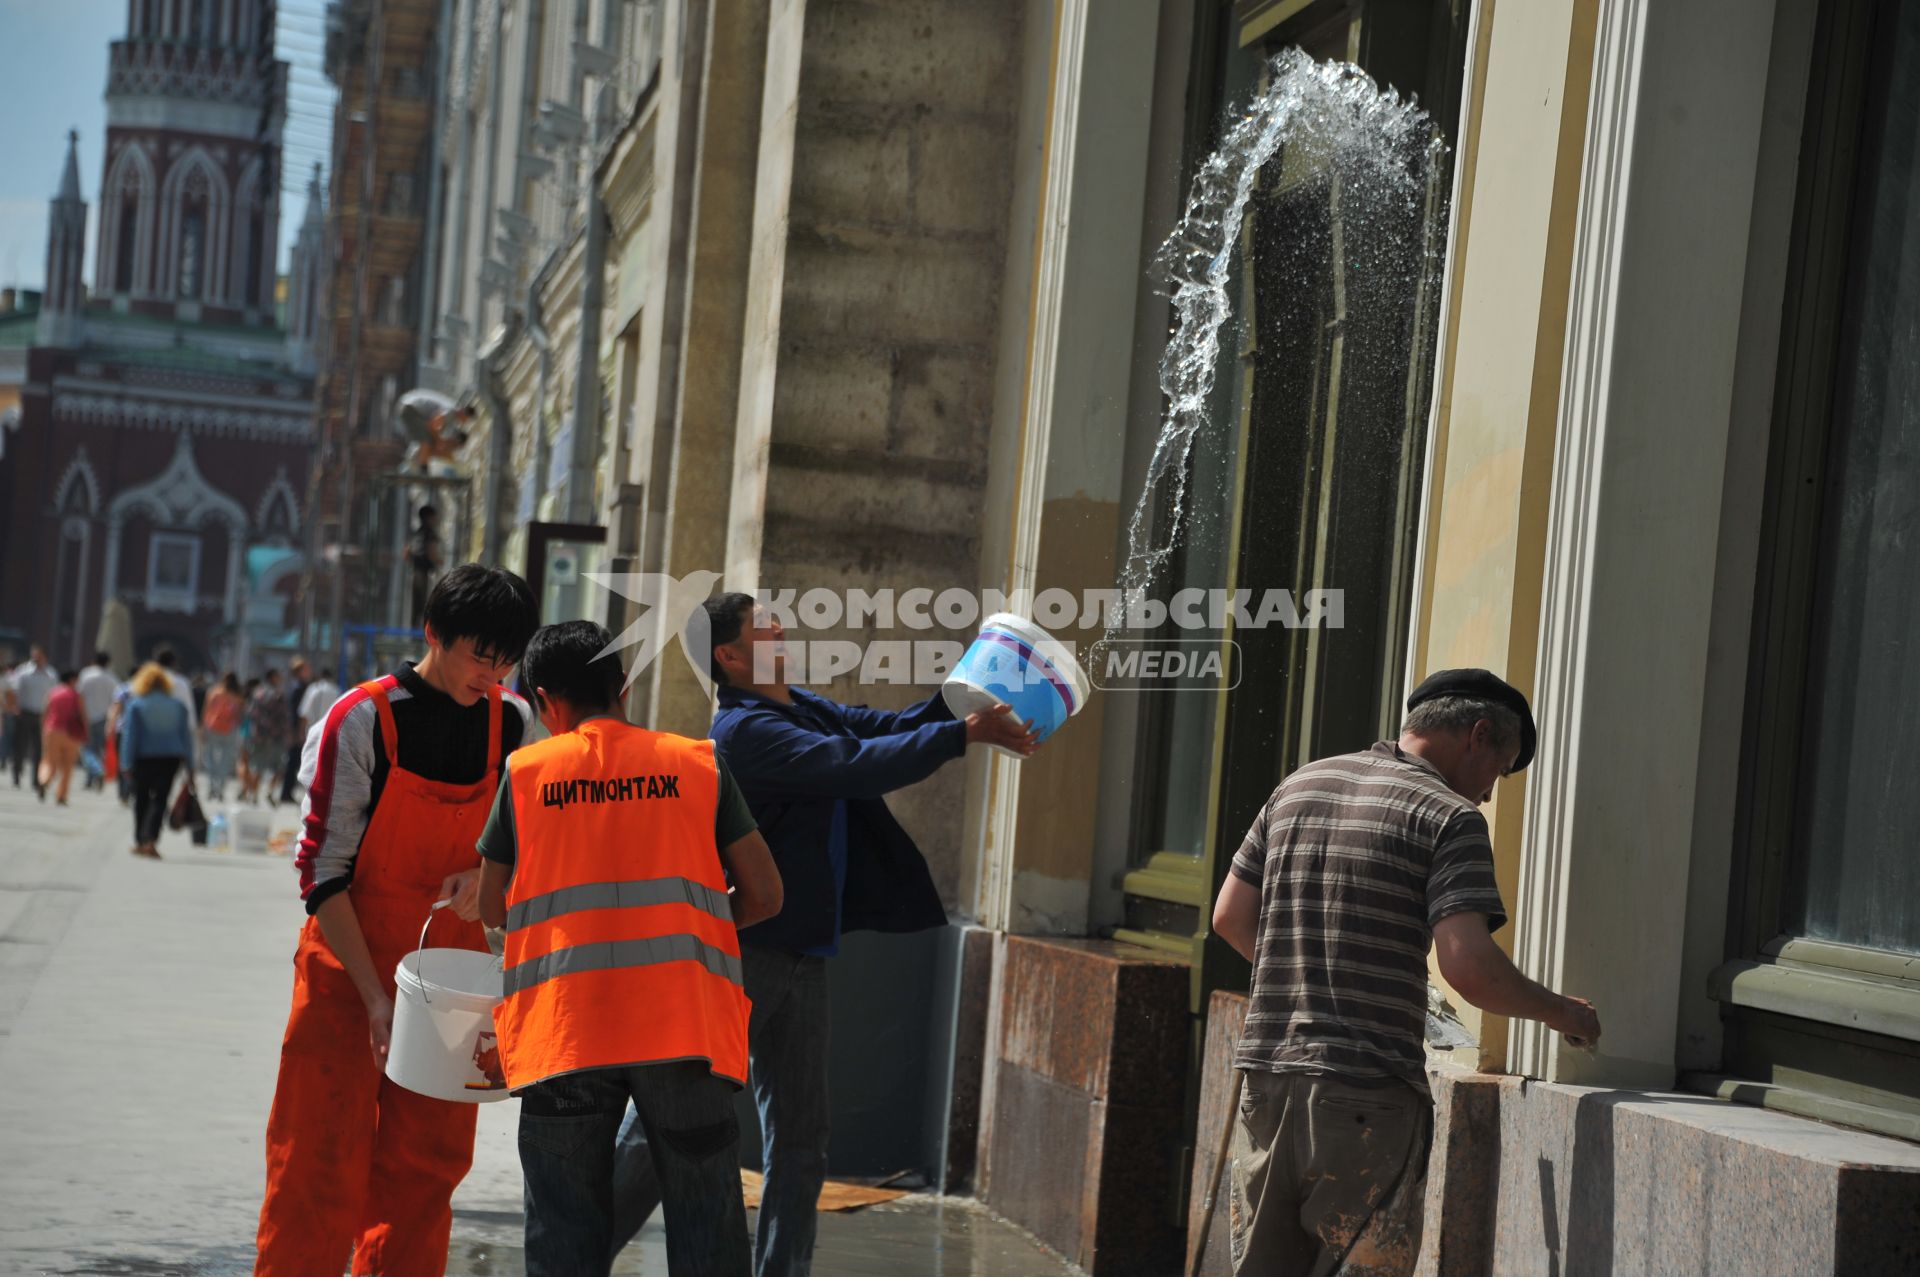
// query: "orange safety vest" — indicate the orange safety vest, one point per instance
point(621, 947)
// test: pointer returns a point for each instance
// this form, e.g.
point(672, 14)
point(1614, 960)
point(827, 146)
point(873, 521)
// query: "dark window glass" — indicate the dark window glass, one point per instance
point(256, 256)
point(123, 253)
point(1859, 835)
point(193, 246)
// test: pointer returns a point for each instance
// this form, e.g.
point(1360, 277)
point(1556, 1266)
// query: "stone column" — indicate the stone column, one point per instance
point(693, 496)
point(1491, 441)
point(1063, 503)
point(1640, 459)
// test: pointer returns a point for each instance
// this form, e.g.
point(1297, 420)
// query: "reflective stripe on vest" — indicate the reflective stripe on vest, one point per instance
point(621, 948)
point(623, 953)
point(620, 895)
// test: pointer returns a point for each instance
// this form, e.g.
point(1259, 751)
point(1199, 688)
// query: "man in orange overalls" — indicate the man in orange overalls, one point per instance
point(400, 775)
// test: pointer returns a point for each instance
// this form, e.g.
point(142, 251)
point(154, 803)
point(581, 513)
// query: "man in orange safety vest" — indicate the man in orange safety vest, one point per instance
point(608, 860)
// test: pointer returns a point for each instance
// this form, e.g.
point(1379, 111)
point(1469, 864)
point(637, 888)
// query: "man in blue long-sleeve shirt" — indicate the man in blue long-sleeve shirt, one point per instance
point(814, 773)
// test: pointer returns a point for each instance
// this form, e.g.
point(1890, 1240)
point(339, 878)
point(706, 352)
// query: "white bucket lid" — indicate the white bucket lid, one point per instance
point(1047, 647)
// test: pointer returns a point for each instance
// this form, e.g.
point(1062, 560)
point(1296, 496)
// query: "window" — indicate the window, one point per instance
point(1820, 997)
point(1174, 793)
point(1324, 388)
point(123, 251)
point(173, 571)
point(256, 254)
point(1857, 880)
point(193, 247)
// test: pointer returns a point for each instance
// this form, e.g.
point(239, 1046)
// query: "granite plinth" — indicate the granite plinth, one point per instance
point(1226, 1015)
point(1462, 1177)
point(1581, 1179)
point(1542, 1178)
point(1087, 1096)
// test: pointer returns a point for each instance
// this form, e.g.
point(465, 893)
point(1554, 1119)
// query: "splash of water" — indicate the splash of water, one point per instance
point(1374, 144)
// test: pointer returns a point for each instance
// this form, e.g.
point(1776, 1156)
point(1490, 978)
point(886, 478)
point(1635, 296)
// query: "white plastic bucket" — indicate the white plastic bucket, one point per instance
point(443, 1043)
point(1015, 662)
point(248, 828)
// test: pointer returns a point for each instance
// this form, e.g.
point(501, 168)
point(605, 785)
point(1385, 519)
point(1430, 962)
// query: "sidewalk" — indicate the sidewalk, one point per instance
point(141, 1005)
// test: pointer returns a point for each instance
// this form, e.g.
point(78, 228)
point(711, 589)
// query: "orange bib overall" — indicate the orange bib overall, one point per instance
point(356, 1162)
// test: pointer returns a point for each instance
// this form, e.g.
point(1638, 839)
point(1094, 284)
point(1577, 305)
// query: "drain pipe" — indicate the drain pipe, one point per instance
point(542, 342)
point(585, 453)
point(492, 362)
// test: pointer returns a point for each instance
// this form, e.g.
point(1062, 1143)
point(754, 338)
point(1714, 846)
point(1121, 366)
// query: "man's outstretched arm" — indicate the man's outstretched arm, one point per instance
point(774, 758)
point(1484, 975)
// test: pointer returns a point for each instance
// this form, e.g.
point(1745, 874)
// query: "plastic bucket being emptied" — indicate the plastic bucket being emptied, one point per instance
point(443, 1043)
point(1016, 662)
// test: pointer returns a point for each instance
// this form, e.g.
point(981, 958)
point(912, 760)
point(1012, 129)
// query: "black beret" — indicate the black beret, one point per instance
point(1482, 685)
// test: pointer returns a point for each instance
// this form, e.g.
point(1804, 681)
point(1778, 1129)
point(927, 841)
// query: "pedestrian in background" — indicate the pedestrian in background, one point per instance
point(668, 1035)
point(30, 684)
point(156, 741)
point(249, 782)
point(116, 733)
point(65, 727)
point(220, 727)
point(168, 660)
point(97, 686)
point(313, 704)
point(299, 676)
point(423, 557)
point(1354, 869)
point(269, 729)
point(9, 710)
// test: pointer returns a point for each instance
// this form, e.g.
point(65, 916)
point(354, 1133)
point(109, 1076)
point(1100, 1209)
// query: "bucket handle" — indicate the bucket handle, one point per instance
point(421, 948)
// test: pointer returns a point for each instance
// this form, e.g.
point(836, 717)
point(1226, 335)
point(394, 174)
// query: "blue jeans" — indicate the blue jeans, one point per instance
point(96, 756)
point(567, 1128)
point(787, 1053)
point(221, 753)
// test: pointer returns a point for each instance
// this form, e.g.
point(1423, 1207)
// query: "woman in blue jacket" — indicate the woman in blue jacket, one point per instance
point(155, 740)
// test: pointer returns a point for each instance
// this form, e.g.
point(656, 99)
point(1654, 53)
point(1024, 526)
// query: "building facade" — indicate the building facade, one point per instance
point(372, 281)
point(160, 457)
point(1612, 402)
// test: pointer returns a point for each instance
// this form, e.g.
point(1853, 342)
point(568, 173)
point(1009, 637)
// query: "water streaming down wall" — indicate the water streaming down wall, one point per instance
point(1375, 152)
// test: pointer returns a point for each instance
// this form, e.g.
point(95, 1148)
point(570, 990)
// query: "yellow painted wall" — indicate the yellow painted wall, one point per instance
point(1520, 157)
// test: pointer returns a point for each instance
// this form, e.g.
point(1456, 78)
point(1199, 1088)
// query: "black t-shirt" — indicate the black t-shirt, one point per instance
point(441, 739)
point(345, 767)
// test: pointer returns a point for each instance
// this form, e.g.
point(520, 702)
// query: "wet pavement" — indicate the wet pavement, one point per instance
point(141, 1005)
point(912, 1237)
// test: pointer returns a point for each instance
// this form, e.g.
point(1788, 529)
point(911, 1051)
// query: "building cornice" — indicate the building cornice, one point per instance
point(226, 417)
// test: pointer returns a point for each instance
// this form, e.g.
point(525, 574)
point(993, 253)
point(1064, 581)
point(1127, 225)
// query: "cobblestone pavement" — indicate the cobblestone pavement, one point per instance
point(141, 1005)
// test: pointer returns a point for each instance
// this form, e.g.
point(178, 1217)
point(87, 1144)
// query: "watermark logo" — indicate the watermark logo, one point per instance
point(1123, 641)
point(1057, 611)
point(1164, 665)
point(670, 606)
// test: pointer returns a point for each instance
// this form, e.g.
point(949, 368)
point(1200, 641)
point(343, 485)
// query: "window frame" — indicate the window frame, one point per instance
point(1816, 1027)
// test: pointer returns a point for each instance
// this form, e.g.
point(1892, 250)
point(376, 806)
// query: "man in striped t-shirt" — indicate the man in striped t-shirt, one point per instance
point(1355, 867)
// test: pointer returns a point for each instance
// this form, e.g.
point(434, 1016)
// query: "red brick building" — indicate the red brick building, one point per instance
point(162, 422)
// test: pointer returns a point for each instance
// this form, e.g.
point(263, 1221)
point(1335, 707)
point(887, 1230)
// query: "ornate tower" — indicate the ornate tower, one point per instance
point(66, 250)
point(189, 197)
